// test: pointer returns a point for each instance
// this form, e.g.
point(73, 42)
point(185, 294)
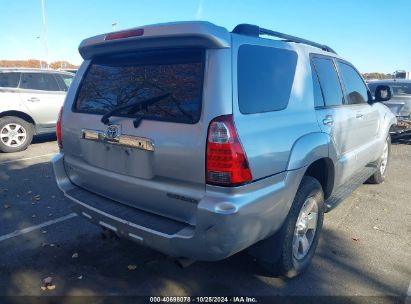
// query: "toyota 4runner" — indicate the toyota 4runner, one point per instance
point(200, 142)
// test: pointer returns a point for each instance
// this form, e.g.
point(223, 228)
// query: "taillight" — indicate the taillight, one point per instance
point(227, 163)
point(58, 129)
point(124, 34)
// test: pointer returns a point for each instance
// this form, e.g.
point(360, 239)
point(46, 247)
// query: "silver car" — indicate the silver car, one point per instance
point(200, 142)
point(30, 100)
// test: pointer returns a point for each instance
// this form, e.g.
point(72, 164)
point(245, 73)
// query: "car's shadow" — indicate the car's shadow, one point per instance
point(39, 139)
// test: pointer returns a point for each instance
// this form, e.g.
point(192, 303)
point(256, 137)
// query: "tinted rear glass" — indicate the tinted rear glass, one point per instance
point(9, 80)
point(135, 78)
point(318, 95)
point(265, 78)
point(330, 84)
point(39, 81)
point(356, 91)
point(64, 81)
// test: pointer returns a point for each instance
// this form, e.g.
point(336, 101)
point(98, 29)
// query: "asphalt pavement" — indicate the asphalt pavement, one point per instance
point(364, 248)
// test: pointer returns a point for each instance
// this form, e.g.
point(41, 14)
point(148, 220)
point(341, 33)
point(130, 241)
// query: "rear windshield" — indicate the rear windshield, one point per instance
point(135, 78)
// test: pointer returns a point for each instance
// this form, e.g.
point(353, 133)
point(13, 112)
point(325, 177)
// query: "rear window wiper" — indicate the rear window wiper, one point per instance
point(140, 104)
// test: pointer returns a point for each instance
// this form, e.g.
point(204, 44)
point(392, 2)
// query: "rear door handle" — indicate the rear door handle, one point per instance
point(33, 99)
point(328, 120)
point(359, 115)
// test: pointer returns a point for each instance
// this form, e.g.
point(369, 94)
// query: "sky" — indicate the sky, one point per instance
point(372, 34)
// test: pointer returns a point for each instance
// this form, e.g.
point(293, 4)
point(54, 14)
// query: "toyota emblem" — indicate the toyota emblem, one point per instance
point(113, 132)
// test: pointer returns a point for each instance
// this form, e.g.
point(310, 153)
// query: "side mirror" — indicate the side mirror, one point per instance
point(382, 93)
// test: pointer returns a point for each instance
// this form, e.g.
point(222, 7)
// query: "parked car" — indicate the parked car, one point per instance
point(30, 100)
point(401, 74)
point(200, 143)
point(74, 71)
point(399, 104)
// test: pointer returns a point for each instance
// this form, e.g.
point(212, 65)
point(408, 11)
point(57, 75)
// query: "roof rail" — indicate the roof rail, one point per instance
point(256, 31)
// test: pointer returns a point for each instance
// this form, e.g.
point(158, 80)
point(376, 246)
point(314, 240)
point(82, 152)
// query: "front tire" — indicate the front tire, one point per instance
point(16, 134)
point(298, 237)
point(382, 165)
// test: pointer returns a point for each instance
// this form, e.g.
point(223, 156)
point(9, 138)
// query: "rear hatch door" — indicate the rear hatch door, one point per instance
point(149, 154)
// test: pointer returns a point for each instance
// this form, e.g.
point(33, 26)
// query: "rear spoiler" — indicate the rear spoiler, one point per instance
point(169, 35)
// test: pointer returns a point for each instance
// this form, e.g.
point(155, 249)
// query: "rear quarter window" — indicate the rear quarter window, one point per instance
point(134, 78)
point(9, 80)
point(265, 78)
point(64, 81)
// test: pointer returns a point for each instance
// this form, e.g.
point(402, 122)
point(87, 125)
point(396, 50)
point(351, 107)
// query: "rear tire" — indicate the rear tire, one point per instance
point(382, 165)
point(294, 245)
point(16, 134)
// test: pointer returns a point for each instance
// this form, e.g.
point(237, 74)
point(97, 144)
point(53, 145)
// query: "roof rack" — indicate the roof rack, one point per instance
point(256, 31)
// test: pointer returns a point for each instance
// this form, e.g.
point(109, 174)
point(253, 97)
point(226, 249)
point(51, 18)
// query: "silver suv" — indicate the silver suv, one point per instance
point(200, 142)
point(30, 100)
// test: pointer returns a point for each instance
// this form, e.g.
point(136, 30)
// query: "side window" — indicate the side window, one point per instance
point(265, 78)
point(39, 81)
point(318, 95)
point(330, 84)
point(9, 80)
point(64, 81)
point(372, 87)
point(67, 79)
point(355, 88)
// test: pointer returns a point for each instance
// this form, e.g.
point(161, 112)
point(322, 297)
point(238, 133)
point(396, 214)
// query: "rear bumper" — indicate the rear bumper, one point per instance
point(228, 219)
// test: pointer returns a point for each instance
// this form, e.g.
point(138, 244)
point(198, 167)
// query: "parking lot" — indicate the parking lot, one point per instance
point(364, 249)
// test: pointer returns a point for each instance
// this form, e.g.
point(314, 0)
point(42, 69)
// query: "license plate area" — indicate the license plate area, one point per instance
point(128, 155)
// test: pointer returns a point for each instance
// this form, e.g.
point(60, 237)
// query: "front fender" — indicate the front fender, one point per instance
point(389, 120)
point(307, 149)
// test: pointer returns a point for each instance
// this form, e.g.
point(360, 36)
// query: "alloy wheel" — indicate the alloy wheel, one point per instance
point(305, 228)
point(384, 159)
point(13, 135)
